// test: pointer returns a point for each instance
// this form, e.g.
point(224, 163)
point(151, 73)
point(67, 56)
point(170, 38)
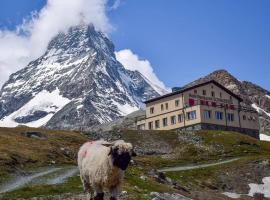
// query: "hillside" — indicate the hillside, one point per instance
point(156, 150)
point(253, 95)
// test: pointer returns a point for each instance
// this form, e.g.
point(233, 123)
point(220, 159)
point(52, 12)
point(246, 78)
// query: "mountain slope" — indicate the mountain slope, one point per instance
point(77, 83)
point(252, 94)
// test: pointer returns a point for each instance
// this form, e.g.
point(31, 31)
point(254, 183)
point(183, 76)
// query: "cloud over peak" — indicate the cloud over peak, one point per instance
point(31, 38)
point(132, 62)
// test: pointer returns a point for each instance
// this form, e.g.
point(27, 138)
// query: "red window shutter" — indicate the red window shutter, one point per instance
point(232, 107)
point(207, 103)
point(202, 102)
point(191, 102)
point(214, 104)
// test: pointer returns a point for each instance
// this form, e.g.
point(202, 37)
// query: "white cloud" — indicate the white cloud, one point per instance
point(115, 4)
point(132, 62)
point(17, 49)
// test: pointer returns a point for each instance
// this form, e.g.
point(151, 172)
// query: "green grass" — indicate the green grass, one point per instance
point(72, 185)
point(198, 178)
point(19, 151)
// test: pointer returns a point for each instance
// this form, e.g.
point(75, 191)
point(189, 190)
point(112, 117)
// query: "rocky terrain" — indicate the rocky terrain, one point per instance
point(76, 84)
point(252, 94)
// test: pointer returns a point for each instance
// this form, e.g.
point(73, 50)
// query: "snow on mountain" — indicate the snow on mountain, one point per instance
point(260, 110)
point(76, 84)
point(43, 106)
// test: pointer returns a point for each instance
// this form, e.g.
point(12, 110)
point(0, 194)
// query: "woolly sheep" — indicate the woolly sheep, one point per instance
point(102, 165)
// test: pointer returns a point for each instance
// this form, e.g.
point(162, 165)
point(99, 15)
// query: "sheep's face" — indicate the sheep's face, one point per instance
point(120, 159)
point(121, 155)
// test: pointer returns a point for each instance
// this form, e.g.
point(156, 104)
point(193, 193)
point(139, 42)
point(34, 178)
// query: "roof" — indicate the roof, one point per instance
point(192, 87)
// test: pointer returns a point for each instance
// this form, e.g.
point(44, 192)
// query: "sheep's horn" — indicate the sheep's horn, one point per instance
point(107, 144)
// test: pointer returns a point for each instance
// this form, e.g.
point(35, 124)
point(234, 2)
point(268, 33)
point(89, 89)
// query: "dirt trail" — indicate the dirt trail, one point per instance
point(45, 176)
point(190, 167)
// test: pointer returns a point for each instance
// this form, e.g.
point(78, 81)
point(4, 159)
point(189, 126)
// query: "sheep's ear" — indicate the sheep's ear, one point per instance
point(133, 153)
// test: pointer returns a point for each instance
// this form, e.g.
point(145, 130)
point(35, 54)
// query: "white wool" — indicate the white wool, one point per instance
point(96, 166)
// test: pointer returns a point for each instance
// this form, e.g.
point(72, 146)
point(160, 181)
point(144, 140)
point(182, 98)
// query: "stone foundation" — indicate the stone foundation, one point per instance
point(203, 126)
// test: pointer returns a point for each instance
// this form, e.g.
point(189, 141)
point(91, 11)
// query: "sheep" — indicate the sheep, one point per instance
point(102, 165)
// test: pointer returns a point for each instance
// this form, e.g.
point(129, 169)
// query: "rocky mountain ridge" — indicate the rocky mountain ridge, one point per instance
point(253, 95)
point(76, 84)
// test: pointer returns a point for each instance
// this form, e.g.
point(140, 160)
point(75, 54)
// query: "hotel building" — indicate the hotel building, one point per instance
point(208, 105)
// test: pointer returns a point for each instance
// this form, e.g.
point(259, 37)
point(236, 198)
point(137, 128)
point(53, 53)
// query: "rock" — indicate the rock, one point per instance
point(167, 196)
point(33, 134)
point(143, 178)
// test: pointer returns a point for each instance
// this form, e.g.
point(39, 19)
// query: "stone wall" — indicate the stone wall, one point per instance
point(203, 126)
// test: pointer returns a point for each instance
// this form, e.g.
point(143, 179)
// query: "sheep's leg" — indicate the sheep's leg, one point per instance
point(114, 193)
point(86, 185)
point(99, 193)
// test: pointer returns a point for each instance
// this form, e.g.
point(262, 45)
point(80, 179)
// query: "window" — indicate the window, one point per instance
point(162, 107)
point(213, 94)
point(244, 117)
point(167, 106)
point(230, 117)
point(151, 110)
point(180, 118)
point(231, 98)
point(219, 115)
point(191, 102)
point(207, 114)
point(165, 122)
point(204, 92)
point(220, 95)
point(202, 102)
point(141, 127)
point(214, 104)
point(173, 119)
point(157, 124)
point(177, 102)
point(232, 107)
point(195, 91)
point(191, 115)
point(150, 125)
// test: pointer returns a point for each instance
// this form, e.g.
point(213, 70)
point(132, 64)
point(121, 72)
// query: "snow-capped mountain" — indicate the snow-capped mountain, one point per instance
point(77, 83)
point(253, 95)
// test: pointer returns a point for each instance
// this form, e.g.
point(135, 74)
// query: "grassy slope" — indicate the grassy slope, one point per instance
point(19, 151)
point(201, 147)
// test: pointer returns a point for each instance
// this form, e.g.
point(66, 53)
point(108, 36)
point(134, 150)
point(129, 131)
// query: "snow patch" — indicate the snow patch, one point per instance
point(125, 109)
point(264, 137)
point(260, 188)
point(232, 195)
point(50, 102)
point(267, 96)
point(260, 110)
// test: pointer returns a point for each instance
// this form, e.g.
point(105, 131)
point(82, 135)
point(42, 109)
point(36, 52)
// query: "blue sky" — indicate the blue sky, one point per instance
point(184, 39)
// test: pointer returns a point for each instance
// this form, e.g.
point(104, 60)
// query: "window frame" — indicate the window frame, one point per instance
point(191, 115)
point(219, 115)
point(163, 121)
point(207, 114)
point(157, 123)
point(173, 120)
